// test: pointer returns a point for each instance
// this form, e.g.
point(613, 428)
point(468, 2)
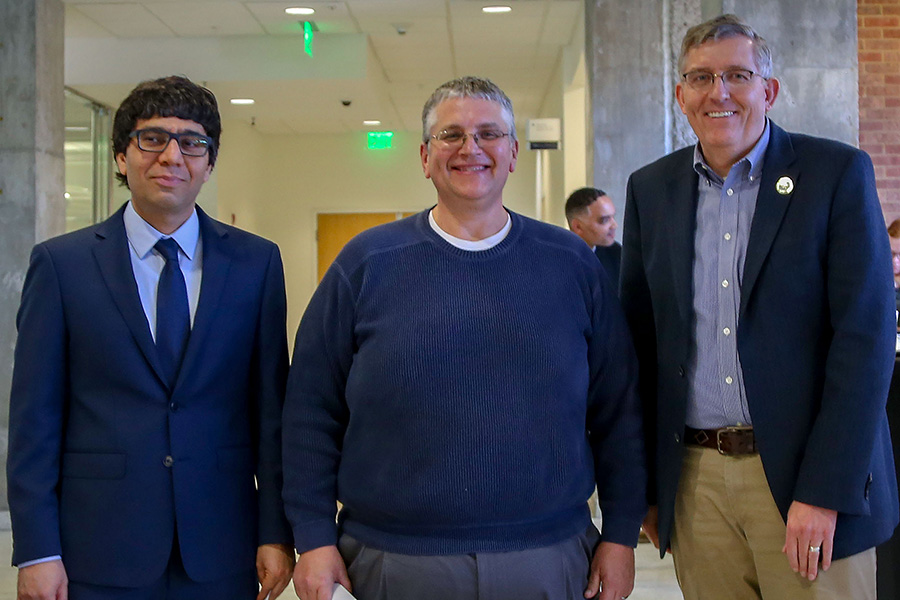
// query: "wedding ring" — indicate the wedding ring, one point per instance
point(815, 548)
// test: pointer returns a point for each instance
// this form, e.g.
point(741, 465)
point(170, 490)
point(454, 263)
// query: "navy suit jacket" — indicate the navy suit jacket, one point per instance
point(815, 332)
point(92, 420)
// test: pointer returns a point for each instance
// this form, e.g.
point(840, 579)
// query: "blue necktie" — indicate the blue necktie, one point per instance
point(173, 317)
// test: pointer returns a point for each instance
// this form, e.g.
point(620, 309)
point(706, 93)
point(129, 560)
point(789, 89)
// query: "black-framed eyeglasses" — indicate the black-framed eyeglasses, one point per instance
point(732, 78)
point(157, 140)
point(483, 138)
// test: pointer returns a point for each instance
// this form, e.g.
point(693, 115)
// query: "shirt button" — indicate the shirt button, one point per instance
point(724, 283)
point(751, 178)
point(727, 331)
point(169, 461)
point(729, 380)
point(730, 192)
point(727, 236)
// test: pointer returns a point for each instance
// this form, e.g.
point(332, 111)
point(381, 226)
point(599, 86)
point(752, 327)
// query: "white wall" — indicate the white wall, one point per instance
point(567, 99)
point(274, 185)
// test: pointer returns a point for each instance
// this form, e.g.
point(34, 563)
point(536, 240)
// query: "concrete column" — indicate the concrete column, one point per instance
point(32, 174)
point(632, 49)
point(814, 47)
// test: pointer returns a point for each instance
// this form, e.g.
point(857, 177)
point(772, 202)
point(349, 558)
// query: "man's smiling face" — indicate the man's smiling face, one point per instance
point(728, 122)
point(470, 172)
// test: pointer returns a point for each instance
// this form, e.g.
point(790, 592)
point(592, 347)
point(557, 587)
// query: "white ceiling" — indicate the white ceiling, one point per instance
point(253, 49)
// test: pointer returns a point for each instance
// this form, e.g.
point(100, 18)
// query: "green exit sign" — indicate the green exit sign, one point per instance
point(379, 140)
point(308, 37)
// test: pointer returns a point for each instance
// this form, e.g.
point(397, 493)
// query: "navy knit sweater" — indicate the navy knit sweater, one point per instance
point(457, 401)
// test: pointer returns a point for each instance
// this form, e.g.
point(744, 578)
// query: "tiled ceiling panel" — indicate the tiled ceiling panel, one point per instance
point(126, 20)
point(206, 18)
point(330, 17)
point(80, 25)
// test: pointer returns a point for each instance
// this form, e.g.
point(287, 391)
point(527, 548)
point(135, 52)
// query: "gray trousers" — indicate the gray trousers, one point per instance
point(557, 572)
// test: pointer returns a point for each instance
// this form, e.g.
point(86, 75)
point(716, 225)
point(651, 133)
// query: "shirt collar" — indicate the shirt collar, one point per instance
point(476, 245)
point(753, 159)
point(143, 236)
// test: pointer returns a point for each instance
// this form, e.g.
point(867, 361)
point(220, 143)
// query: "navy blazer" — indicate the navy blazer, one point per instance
point(815, 332)
point(105, 462)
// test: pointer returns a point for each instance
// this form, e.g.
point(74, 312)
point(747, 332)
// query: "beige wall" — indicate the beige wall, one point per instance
point(274, 185)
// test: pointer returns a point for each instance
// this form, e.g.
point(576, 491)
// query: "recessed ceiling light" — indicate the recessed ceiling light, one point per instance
point(496, 9)
point(372, 122)
point(297, 10)
point(242, 100)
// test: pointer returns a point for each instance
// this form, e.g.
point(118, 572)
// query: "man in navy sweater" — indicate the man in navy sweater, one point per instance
point(461, 380)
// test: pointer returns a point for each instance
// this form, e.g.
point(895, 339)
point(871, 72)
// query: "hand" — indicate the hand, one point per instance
point(807, 526)
point(612, 572)
point(43, 581)
point(651, 526)
point(274, 563)
point(317, 571)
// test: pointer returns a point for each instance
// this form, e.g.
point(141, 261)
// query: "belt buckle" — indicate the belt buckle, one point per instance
point(738, 432)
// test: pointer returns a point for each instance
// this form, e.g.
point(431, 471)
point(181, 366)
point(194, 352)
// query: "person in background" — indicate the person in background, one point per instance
point(894, 236)
point(145, 415)
point(461, 379)
point(756, 280)
point(592, 217)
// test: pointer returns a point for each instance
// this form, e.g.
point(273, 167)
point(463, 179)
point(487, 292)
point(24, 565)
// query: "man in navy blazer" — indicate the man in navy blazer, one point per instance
point(756, 278)
point(134, 472)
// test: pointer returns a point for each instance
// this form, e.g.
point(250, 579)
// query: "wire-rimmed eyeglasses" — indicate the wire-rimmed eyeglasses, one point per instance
point(483, 138)
point(732, 78)
point(157, 140)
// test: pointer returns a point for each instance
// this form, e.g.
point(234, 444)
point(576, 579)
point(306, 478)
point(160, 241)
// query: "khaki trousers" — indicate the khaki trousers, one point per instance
point(728, 537)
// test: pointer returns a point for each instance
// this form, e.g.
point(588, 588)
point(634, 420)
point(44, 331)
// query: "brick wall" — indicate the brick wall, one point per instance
point(879, 96)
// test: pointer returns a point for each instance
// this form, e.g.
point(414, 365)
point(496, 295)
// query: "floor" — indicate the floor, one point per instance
point(655, 579)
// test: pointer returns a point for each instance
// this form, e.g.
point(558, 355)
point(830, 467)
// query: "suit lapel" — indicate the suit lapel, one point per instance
point(113, 258)
point(771, 206)
point(217, 255)
point(681, 213)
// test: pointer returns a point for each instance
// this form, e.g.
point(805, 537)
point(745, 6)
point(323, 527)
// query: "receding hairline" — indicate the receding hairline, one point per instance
point(477, 88)
point(724, 27)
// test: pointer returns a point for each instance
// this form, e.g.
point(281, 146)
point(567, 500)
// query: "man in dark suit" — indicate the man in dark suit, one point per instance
point(757, 283)
point(592, 217)
point(149, 378)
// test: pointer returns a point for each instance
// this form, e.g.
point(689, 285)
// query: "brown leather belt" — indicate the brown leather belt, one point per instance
point(730, 441)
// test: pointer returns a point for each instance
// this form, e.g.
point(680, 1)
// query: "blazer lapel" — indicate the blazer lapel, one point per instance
point(771, 205)
point(681, 213)
point(217, 255)
point(113, 258)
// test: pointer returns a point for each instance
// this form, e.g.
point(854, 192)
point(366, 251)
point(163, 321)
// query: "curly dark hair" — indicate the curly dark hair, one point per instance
point(173, 96)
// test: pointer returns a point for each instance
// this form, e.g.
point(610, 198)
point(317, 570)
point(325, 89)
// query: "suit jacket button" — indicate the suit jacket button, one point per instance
point(173, 407)
point(677, 439)
point(169, 461)
point(681, 371)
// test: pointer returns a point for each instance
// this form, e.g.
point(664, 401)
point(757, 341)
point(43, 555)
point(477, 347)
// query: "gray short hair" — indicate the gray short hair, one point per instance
point(723, 27)
point(467, 87)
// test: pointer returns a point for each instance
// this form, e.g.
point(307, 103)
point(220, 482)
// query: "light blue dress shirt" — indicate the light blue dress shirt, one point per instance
point(725, 209)
point(147, 263)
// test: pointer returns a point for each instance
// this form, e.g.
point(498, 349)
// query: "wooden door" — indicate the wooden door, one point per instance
point(334, 230)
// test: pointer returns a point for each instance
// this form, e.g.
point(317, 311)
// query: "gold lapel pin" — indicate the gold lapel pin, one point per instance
point(784, 185)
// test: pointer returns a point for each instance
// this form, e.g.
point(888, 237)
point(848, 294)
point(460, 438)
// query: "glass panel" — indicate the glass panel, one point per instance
point(88, 161)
